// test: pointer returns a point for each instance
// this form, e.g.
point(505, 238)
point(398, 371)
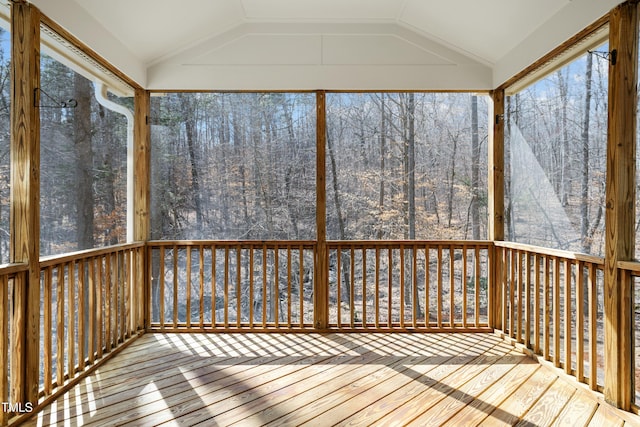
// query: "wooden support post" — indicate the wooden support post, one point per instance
point(321, 290)
point(25, 199)
point(142, 160)
point(620, 204)
point(496, 201)
point(141, 205)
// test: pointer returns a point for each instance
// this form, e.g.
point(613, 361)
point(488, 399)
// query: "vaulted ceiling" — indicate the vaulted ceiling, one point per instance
point(323, 44)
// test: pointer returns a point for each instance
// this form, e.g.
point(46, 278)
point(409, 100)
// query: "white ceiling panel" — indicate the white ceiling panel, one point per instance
point(487, 29)
point(375, 49)
point(325, 10)
point(265, 49)
point(155, 28)
point(148, 39)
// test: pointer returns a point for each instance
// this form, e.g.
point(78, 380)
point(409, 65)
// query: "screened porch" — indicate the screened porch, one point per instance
point(258, 238)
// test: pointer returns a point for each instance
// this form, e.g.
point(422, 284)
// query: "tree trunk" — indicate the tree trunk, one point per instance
point(383, 136)
point(84, 153)
point(346, 291)
point(411, 165)
point(452, 179)
point(584, 193)
point(475, 170)
point(565, 183)
point(189, 117)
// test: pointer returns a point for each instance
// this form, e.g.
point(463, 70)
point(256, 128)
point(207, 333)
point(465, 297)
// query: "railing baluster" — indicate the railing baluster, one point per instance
point(536, 303)
point(352, 286)
point(547, 314)
point(127, 301)
point(402, 296)
point(427, 285)
point(519, 296)
point(92, 310)
point(175, 286)
point(251, 278)
point(452, 286)
point(512, 292)
point(60, 344)
point(117, 294)
point(339, 285)
point(100, 307)
point(580, 322)
point(121, 294)
point(567, 316)
point(188, 288)
point(556, 312)
point(439, 291)
point(593, 328)
point(161, 285)
point(264, 285)
point(82, 264)
point(71, 327)
point(226, 286)
point(301, 286)
point(289, 279)
point(276, 286)
point(390, 287)
point(527, 299)
point(376, 298)
point(505, 255)
point(108, 306)
point(414, 284)
point(238, 285)
point(477, 287)
point(48, 368)
point(201, 280)
point(464, 286)
point(214, 304)
point(364, 287)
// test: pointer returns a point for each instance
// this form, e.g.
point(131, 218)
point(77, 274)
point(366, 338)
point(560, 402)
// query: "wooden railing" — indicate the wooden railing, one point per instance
point(9, 275)
point(631, 271)
point(89, 307)
point(552, 302)
point(224, 285)
point(257, 285)
point(399, 285)
point(547, 300)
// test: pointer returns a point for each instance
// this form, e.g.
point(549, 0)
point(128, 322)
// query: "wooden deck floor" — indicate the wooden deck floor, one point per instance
point(332, 379)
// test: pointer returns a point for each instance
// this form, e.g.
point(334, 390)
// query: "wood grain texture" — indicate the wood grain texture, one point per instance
point(326, 379)
point(25, 198)
point(620, 203)
point(321, 294)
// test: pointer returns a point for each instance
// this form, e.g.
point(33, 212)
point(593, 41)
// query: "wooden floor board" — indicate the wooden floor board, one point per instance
point(402, 385)
point(252, 379)
point(415, 383)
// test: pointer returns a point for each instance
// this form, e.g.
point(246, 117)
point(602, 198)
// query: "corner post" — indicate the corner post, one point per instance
point(25, 199)
point(321, 290)
point(620, 204)
point(142, 205)
point(496, 201)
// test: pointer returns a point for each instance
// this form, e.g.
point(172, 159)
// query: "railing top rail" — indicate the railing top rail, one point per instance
point(559, 253)
point(330, 243)
point(235, 243)
point(9, 269)
point(386, 243)
point(632, 266)
point(89, 253)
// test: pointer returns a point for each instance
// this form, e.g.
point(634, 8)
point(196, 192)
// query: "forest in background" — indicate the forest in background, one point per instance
point(555, 158)
point(242, 166)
